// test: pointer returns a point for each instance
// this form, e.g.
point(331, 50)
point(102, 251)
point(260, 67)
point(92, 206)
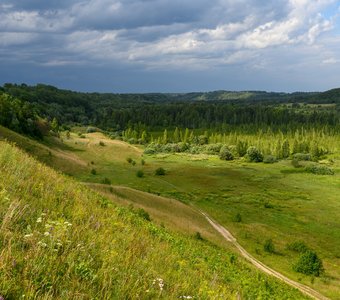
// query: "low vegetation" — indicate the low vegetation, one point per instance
point(53, 228)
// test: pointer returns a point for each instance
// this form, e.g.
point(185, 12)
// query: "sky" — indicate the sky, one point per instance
point(131, 46)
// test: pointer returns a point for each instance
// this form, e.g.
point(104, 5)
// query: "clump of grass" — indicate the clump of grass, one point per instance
point(160, 172)
point(93, 171)
point(140, 174)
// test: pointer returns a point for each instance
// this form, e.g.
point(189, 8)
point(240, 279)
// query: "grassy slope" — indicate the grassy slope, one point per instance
point(305, 207)
point(58, 239)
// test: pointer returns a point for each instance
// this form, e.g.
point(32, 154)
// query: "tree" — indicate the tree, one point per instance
point(285, 149)
point(269, 246)
point(309, 264)
point(176, 137)
point(55, 125)
point(165, 137)
point(254, 155)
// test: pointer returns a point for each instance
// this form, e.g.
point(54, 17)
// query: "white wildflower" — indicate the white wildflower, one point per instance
point(26, 236)
point(42, 244)
point(46, 233)
point(39, 220)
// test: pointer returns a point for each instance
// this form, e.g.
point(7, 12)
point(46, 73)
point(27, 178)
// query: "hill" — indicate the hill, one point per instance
point(60, 240)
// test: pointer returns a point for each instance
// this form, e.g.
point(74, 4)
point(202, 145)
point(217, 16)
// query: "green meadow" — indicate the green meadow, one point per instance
point(255, 201)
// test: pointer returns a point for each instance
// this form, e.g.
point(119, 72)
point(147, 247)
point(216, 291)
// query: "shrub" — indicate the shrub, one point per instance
point(143, 214)
point(309, 264)
point(160, 171)
point(302, 156)
point(254, 155)
point(269, 246)
point(91, 130)
point(319, 170)
point(133, 163)
point(129, 160)
point(93, 172)
point(298, 246)
point(149, 150)
point(295, 163)
point(142, 162)
point(140, 174)
point(213, 148)
point(269, 159)
point(198, 236)
point(106, 181)
point(237, 218)
point(101, 143)
point(226, 154)
point(241, 148)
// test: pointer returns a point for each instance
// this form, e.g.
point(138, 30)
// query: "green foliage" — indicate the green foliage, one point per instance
point(106, 181)
point(160, 171)
point(101, 143)
point(142, 162)
point(241, 148)
point(254, 155)
point(129, 160)
point(298, 246)
point(140, 174)
point(309, 264)
point(269, 159)
point(142, 213)
point(91, 129)
point(319, 169)
point(269, 246)
point(198, 236)
point(226, 154)
point(237, 218)
point(93, 172)
point(302, 157)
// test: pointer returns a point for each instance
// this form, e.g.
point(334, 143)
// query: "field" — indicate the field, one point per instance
point(274, 201)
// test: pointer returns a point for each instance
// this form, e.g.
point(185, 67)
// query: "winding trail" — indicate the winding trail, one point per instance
point(230, 238)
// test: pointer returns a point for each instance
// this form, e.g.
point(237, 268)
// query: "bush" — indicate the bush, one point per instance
point(143, 214)
point(254, 155)
point(91, 129)
point(133, 163)
point(237, 218)
point(302, 156)
point(129, 160)
point(142, 162)
point(269, 246)
point(140, 174)
point(160, 171)
point(226, 154)
point(101, 143)
point(93, 172)
point(106, 181)
point(149, 150)
point(296, 163)
point(298, 246)
point(319, 170)
point(309, 264)
point(213, 148)
point(241, 148)
point(198, 236)
point(269, 159)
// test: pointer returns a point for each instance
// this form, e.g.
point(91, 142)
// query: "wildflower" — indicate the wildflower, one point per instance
point(26, 236)
point(42, 244)
point(39, 220)
point(46, 233)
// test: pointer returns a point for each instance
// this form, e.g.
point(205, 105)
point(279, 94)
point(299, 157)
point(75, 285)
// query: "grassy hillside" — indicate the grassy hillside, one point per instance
point(60, 240)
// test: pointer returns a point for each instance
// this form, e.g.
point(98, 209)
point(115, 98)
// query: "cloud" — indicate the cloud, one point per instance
point(169, 34)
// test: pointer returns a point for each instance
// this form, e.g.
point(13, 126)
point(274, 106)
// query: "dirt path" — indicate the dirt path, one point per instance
point(229, 237)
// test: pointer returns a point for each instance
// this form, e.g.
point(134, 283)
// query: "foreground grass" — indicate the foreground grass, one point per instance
point(59, 240)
